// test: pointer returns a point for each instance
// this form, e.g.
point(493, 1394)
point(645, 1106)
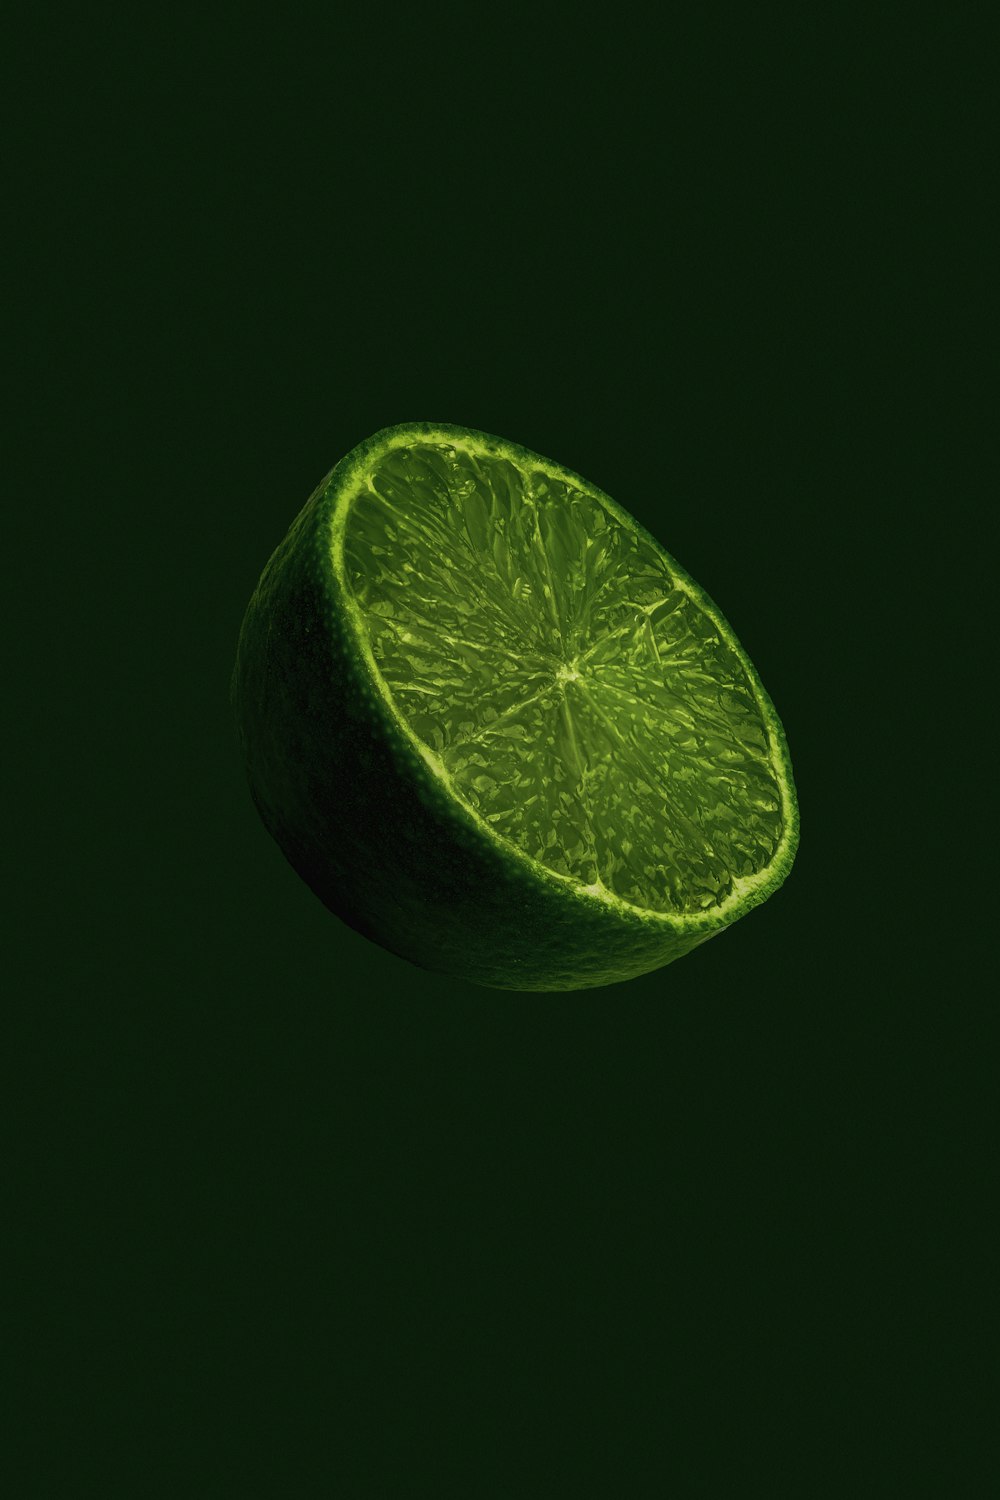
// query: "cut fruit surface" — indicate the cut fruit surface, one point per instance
point(498, 729)
point(562, 677)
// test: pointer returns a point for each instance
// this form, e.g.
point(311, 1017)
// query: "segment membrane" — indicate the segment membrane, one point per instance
point(579, 699)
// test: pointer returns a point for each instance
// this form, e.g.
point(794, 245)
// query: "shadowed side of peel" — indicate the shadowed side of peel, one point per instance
point(364, 823)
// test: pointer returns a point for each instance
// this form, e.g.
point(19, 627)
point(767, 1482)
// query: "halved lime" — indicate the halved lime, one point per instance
point(498, 729)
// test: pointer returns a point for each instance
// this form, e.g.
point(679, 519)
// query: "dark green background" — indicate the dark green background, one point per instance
point(299, 1218)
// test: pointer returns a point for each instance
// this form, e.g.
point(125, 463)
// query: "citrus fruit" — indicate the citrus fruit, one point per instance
point(497, 729)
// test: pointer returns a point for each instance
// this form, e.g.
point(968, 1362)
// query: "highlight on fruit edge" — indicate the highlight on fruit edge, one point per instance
point(498, 729)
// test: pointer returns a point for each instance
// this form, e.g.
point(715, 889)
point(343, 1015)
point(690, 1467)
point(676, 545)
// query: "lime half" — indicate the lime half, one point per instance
point(497, 729)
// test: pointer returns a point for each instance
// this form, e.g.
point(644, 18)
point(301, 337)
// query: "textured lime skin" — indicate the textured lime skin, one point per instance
point(366, 823)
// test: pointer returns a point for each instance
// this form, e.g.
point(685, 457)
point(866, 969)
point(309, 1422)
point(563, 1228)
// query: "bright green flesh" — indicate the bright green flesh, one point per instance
point(577, 696)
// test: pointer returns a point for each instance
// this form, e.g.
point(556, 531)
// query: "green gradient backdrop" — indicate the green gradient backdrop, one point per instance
point(304, 1219)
